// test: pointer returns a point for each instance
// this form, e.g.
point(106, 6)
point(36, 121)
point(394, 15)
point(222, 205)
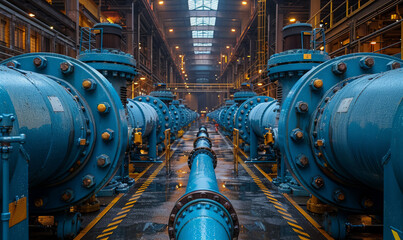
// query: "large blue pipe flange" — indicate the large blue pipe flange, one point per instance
point(241, 118)
point(98, 105)
point(165, 120)
point(328, 137)
point(176, 118)
point(229, 117)
point(202, 138)
point(202, 197)
point(202, 150)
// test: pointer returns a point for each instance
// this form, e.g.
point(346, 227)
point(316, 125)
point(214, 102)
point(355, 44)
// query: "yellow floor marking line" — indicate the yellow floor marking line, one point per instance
point(129, 206)
point(125, 211)
point(135, 197)
point(263, 173)
point(99, 217)
point(114, 223)
point(120, 217)
point(295, 225)
point(280, 210)
point(301, 233)
point(104, 235)
point(290, 219)
point(110, 229)
point(308, 217)
point(305, 214)
point(142, 173)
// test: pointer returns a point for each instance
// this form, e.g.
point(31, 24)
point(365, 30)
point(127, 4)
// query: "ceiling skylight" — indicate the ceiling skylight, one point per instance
point(203, 5)
point(202, 44)
point(202, 34)
point(202, 21)
point(202, 52)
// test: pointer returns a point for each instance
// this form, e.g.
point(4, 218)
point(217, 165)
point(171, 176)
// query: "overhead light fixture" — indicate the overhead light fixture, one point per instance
point(233, 30)
point(322, 48)
point(293, 20)
point(228, 47)
point(260, 84)
point(177, 47)
point(136, 83)
point(180, 56)
point(31, 14)
point(142, 78)
point(373, 43)
point(202, 44)
point(244, 2)
point(186, 75)
point(161, 2)
point(219, 62)
point(183, 71)
point(260, 70)
point(171, 30)
point(51, 27)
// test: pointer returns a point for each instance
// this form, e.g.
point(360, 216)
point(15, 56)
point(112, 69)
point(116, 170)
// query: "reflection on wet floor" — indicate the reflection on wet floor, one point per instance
point(148, 218)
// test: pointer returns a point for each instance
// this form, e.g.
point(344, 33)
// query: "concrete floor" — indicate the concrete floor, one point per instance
point(262, 215)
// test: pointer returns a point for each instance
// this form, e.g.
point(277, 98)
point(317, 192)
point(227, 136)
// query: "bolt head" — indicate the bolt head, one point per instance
point(107, 135)
point(302, 161)
point(68, 195)
point(318, 182)
point(66, 67)
point(394, 65)
point(368, 62)
point(88, 84)
point(339, 68)
point(320, 143)
point(368, 203)
point(88, 181)
point(339, 196)
point(40, 62)
point(103, 107)
point(297, 135)
point(318, 83)
point(38, 202)
point(302, 107)
point(103, 160)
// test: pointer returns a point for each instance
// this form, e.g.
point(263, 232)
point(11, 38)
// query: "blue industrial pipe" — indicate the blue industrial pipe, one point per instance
point(338, 148)
point(64, 99)
point(142, 116)
point(203, 213)
point(261, 118)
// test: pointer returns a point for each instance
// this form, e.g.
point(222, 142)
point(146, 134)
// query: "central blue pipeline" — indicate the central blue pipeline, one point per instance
point(203, 213)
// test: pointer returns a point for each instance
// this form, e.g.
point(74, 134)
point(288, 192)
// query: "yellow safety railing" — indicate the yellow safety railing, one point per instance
point(236, 142)
point(167, 143)
point(330, 15)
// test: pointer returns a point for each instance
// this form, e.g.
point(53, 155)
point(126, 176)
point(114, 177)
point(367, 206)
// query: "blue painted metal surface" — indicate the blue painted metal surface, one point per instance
point(241, 117)
point(55, 102)
point(120, 69)
point(203, 212)
point(393, 183)
point(261, 118)
point(144, 117)
point(339, 148)
point(165, 120)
